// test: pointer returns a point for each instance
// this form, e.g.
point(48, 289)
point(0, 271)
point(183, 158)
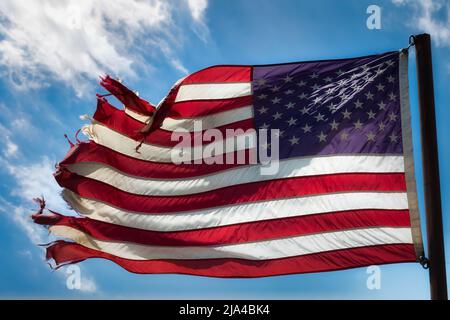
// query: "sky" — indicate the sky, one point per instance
point(52, 53)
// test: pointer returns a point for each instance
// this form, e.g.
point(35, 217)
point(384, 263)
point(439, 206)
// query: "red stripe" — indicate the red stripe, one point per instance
point(220, 74)
point(127, 97)
point(237, 233)
point(91, 152)
point(67, 252)
point(242, 193)
point(201, 108)
point(119, 121)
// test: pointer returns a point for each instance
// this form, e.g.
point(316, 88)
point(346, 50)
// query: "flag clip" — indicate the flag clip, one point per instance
point(424, 262)
point(411, 44)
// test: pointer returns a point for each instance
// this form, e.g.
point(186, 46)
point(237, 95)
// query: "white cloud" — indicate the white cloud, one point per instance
point(36, 180)
point(31, 181)
point(198, 9)
point(77, 40)
point(26, 253)
point(399, 2)
point(176, 63)
point(431, 16)
point(11, 148)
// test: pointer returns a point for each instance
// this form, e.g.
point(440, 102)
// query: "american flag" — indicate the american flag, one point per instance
point(344, 195)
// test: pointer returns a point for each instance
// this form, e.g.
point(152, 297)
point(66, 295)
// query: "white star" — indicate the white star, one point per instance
point(390, 79)
point(279, 133)
point(370, 136)
point(304, 110)
point(277, 116)
point(339, 72)
point(392, 96)
point(315, 87)
point(289, 92)
point(371, 114)
point(262, 96)
point(275, 89)
point(341, 83)
point(319, 117)
point(390, 63)
point(346, 114)
point(380, 87)
point(344, 136)
point(262, 110)
point(369, 95)
point(291, 121)
point(290, 105)
point(328, 79)
point(358, 104)
point(392, 116)
point(331, 107)
point(264, 126)
point(306, 128)
point(301, 83)
point(294, 140)
point(322, 136)
point(287, 78)
point(262, 82)
point(358, 125)
point(382, 105)
point(393, 137)
point(334, 125)
point(379, 71)
point(314, 76)
point(365, 68)
point(317, 99)
point(356, 87)
point(381, 126)
point(303, 95)
point(344, 97)
point(330, 90)
point(276, 100)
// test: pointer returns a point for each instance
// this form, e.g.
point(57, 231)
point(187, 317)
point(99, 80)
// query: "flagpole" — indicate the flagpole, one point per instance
point(430, 164)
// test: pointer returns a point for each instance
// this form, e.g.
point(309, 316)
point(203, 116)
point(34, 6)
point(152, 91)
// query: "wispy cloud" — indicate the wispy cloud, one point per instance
point(431, 16)
point(198, 9)
point(30, 181)
point(75, 41)
point(11, 148)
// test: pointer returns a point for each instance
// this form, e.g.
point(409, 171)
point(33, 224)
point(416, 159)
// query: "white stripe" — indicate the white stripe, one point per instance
point(111, 139)
point(209, 122)
point(288, 168)
point(240, 213)
point(213, 91)
point(261, 250)
point(137, 116)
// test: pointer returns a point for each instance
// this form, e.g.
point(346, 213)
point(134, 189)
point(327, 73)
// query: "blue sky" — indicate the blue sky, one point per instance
point(51, 54)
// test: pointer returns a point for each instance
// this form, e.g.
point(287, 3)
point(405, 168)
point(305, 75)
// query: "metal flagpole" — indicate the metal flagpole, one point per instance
point(430, 164)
